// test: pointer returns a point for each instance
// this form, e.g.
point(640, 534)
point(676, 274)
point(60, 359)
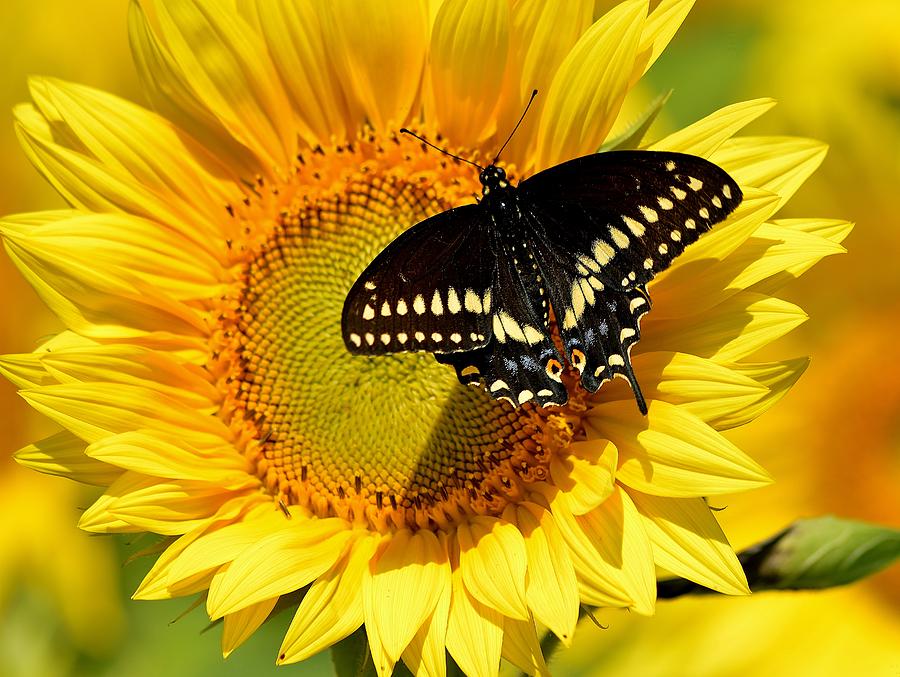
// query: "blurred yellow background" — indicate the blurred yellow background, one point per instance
point(833, 444)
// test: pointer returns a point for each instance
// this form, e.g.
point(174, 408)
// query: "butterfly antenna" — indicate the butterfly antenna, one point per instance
point(509, 138)
point(404, 130)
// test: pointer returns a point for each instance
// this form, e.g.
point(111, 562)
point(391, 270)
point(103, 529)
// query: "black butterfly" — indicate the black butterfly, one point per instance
point(475, 284)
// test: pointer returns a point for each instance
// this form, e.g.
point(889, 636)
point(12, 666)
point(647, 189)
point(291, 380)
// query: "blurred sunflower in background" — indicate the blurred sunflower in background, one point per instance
point(200, 273)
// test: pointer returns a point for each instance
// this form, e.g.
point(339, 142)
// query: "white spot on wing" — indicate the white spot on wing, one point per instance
point(603, 252)
point(456, 338)
point(678, 193)
point(420, 336)
point(704, 212)
point(617, 360)
point(675, 235)
point(726, 191)
point(356, 340)
point(634, 226)
point(436, 306)
point(371, 285)
point(663, 248)
point(499, 385)
point(402, 337)
point(649, 214)
point(370, 338)
point(525, 395)
point(436, 337)
point(625, 334)
point(472, 301)
point(620, 238)
point(368, 312)
point(385, 338)
point(690, 224)
point(401, 307)
point(694, 184)
point(716, 201)
point(385, 308)
point(419, 304)
point(453, 304)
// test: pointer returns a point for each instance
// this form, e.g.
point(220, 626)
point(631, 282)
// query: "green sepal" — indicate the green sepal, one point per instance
point(823, 553)
point(633, 134)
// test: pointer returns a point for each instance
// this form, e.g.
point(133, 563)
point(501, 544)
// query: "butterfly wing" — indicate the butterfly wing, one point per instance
point(625, 215)
point(598, 343)
point(426, 290)
point(520, 363)
point(603, 225)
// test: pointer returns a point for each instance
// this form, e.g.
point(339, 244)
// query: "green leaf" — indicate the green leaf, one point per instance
point(631, 137)
point(825, 552)
point(351, 656)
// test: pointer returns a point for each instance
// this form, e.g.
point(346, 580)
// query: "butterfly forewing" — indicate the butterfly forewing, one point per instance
point(625, 215)
point(427, 290)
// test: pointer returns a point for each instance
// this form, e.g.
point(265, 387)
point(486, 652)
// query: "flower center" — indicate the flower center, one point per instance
point(392, 441)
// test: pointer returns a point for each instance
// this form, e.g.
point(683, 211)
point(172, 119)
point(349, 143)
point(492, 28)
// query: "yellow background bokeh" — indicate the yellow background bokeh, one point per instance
point(833, 444)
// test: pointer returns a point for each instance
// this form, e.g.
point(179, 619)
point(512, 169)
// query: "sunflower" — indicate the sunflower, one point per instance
point(202, 380)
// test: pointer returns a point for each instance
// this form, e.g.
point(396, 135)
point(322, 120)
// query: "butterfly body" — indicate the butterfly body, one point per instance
point(476, 285)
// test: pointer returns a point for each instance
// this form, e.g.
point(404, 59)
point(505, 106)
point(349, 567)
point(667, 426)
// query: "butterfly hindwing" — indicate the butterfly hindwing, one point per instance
point(625, 215)
point(520, 363)
point(598, 326)
point(427, 290)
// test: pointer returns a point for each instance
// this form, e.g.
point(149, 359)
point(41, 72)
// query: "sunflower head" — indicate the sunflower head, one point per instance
point(202, 380)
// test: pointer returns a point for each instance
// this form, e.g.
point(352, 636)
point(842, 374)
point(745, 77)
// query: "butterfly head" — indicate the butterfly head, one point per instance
point(492, 177)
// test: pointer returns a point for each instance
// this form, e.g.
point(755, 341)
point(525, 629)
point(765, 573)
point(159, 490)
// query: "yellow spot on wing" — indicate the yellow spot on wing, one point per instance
point(453, 304)
point(665, 202)
point(634, 226)
point(620, 238)
point(472, 301)
point(436, 306)
point(368, 312)
point(419, 304)
point(649, 214)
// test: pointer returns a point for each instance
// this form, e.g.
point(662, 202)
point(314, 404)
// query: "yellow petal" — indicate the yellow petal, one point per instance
point(427, 652)
point(279, 563)
point(469, 46)
point(130, 246)
point(779, 165)
point(551, 586)
point(831, 229)
point(149, 455)
point(618, 535)
point(728, 332)
point(777, 377)
point(688, 542)
point(407, 580)
point(493, 560)
point(474, 632)
point(541, 35)
point(188, 185)
point(712, 392)
point(232, 75)
point(133, 365)
point(801, 252)
point(175, 99)
point(670, 452)
point(773, 255)
point(522, 648)
point(226, 541)
point(332, 608)
point(95, 302)
point(600, 578)
point(705, 136)
point(659, 29)
point(63, 454)
point(240, 626)
point(590, 86)
point(587, 475)
point(378, 55)
point(25, 370)
point(158, 506)
point(96, 410)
